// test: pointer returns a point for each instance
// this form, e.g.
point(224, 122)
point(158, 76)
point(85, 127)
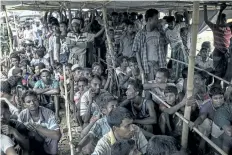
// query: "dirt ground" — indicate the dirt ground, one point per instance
point(64, 148)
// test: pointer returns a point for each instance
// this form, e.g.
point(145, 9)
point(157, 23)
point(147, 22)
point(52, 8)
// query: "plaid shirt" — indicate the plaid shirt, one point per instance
point(141, 47)
point(100, 128)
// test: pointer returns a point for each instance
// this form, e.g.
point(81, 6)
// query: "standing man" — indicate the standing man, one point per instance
point(147, 46)
point(222, 35)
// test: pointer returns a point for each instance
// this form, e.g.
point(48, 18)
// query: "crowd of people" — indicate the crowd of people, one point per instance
point(115, 88)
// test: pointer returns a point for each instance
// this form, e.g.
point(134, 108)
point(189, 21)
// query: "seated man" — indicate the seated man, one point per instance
point(88, 100)
point(100, 127)
point(163, 145)
point(42, 121)
point(15, 60)
point(142, 109)
point(207, 112)
point(28, 141)
point(39, 58)
point(7, 146)
point(222, 125)
point(82, 85)
point(158, 85)
point(97, 69)
point(120, 120)
point(123, 72)
point(6, 95)
point(46, 87)
point(36, 77)
point(168, 122)
point(133, 65)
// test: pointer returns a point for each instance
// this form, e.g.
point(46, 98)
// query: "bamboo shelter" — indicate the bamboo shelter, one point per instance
point(109, 6)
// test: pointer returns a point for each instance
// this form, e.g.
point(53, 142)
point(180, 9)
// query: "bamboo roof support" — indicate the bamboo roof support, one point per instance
point(9, 31)
point(67, 113)
point(187, 112)
point(111, 50)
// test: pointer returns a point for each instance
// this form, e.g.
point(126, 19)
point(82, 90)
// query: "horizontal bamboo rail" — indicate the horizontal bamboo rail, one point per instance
point(227, 82)
point(195, 129)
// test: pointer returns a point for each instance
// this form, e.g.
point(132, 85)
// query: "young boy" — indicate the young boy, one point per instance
point(82, 85)
point(100, 127)
point(15, 59)
point(169, 123)
point(207, 115)
point(36, 77)
point(38, 58)
point(120, 120)
point(46, 87)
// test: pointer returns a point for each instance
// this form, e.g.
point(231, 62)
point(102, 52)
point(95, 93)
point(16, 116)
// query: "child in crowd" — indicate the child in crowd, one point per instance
point(82, 85)
point(39, 58)
point(15, 60)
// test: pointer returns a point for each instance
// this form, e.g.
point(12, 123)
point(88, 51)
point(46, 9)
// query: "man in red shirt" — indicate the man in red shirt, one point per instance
point(222, 35)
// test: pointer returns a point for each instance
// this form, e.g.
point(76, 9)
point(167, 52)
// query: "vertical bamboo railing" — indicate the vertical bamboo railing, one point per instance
point(111, 50)
point(187, 112)
point(67, 112)
point(9, 31)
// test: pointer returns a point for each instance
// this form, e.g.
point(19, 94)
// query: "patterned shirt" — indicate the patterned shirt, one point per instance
point(141, 47)
point(47, 120)
point(222, 37)
point(174, 35)
point(126, 43)
point(104, 144)
point(204, 65)
point(100, 128)
point(223, 116)
point(40, 84)
point(84, 105)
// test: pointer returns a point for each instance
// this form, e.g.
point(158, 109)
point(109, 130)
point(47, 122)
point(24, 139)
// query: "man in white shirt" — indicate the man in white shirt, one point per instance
point(7, 146)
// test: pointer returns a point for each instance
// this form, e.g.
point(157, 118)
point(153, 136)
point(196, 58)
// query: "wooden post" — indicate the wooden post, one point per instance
point(9, 31)
point(187, 112)
point(67, 113)
point(111, 50)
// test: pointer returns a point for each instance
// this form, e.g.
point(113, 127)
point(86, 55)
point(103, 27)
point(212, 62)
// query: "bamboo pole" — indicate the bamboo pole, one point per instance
point(9, 31)
point(227, 82)
point(67, 113)
point(195, 129)
point(187, 112)
point(111, 50)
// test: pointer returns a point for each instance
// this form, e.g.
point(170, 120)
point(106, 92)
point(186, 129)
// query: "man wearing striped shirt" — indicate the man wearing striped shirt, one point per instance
point(222, 35)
